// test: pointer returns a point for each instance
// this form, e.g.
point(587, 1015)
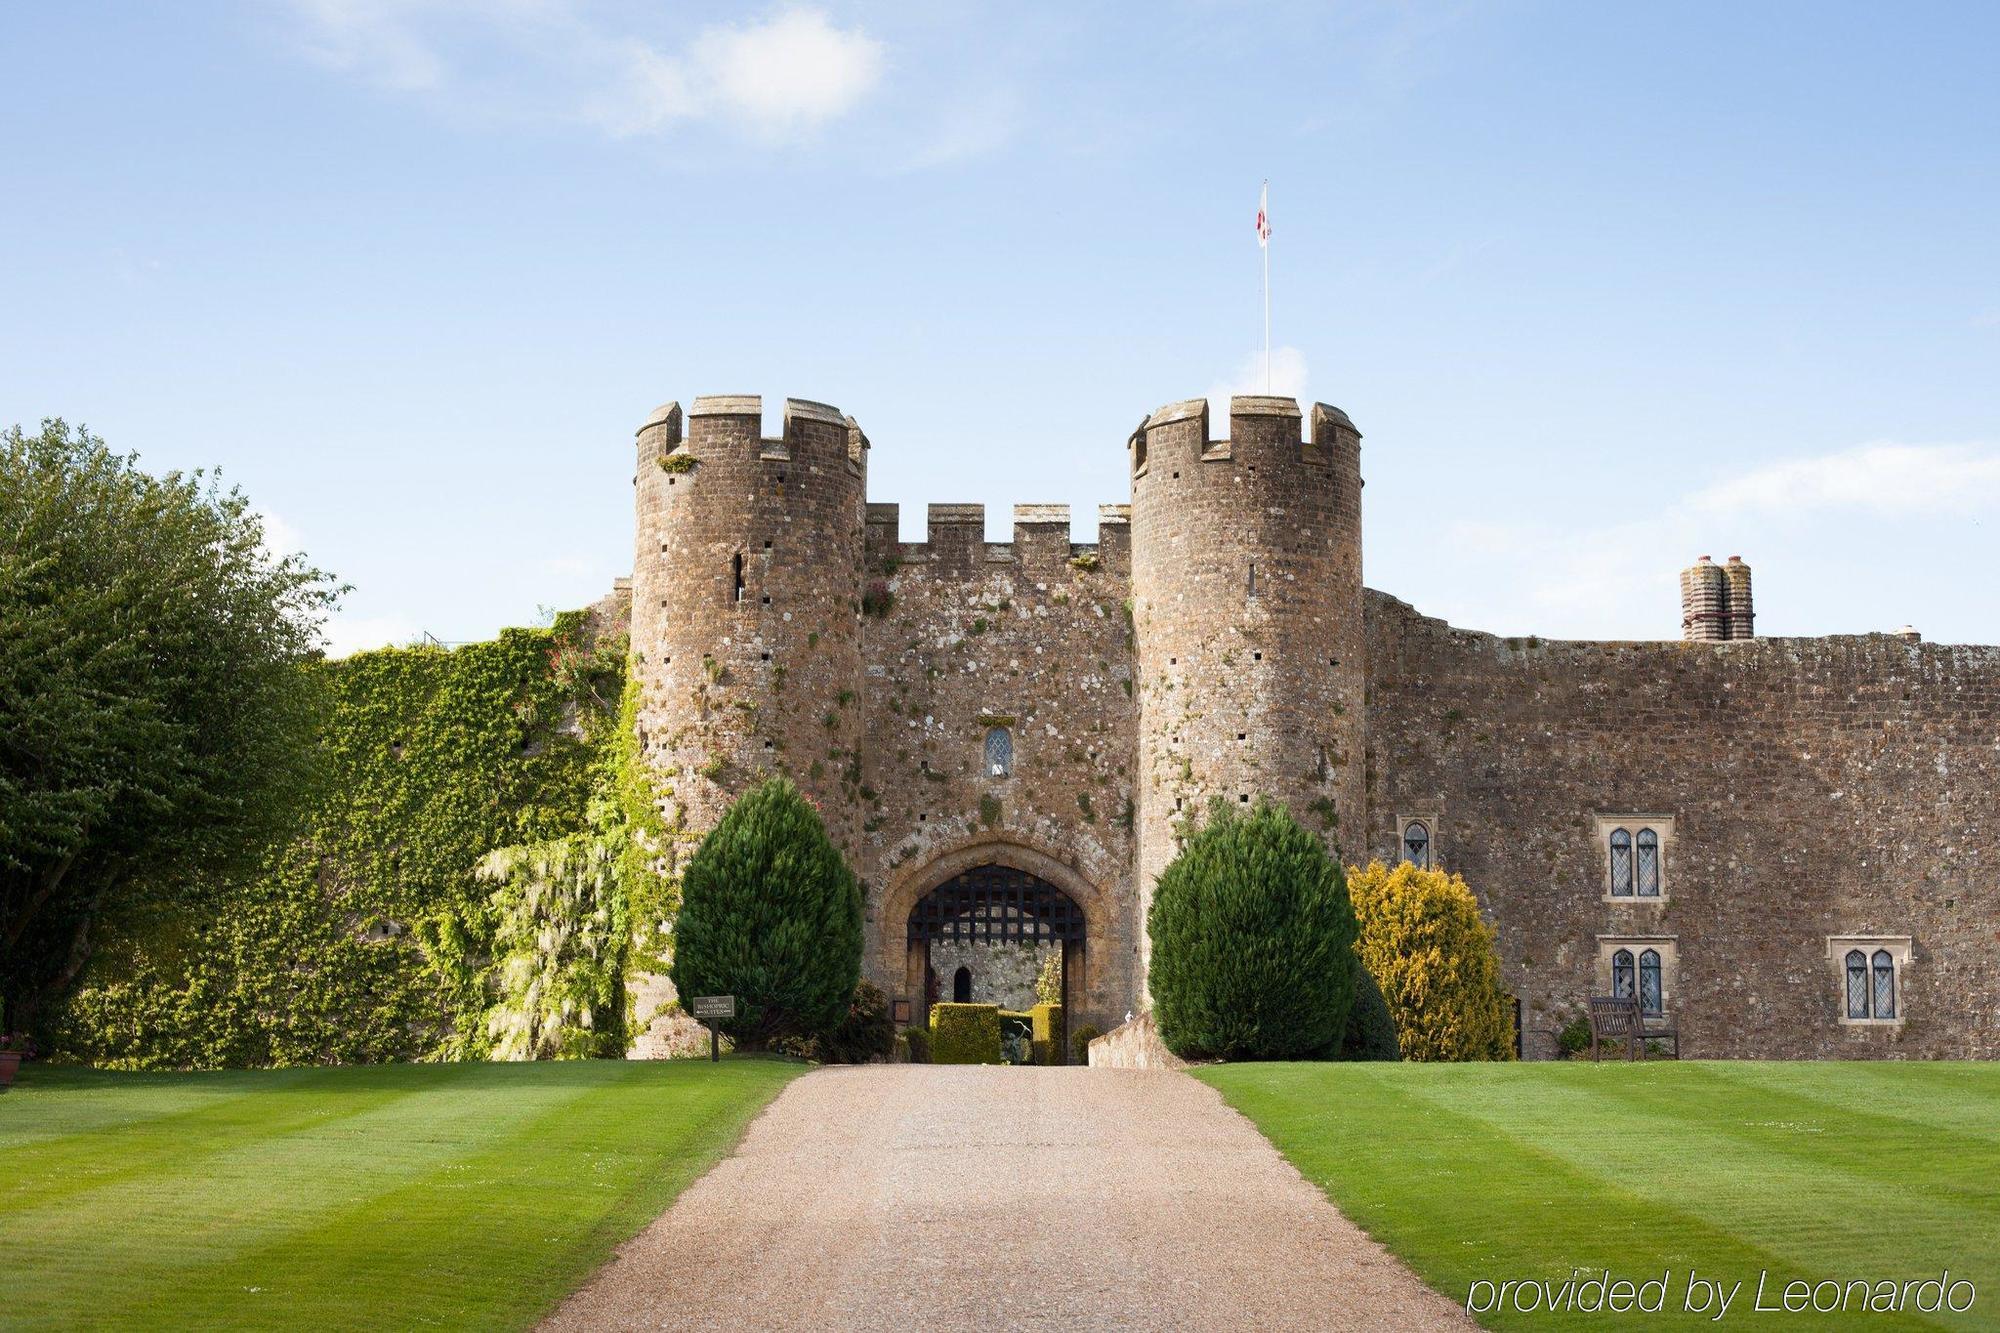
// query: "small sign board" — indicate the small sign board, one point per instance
point(713, 1006)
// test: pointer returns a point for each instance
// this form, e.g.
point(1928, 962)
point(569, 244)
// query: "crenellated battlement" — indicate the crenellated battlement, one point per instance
point(955, 537)
point(1042, 708)
point(1258, 431)
point(813, 433)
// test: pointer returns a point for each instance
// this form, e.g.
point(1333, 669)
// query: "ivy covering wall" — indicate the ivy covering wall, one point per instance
point(467, 883)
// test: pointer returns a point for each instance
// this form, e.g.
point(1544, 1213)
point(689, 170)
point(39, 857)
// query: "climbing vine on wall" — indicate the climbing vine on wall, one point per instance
point(372, 934)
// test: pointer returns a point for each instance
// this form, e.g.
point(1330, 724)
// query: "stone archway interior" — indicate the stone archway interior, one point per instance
point(991, 929)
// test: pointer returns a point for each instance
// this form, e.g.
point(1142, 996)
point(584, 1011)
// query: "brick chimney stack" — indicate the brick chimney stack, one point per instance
point(1715, 601)
point(1742, 615)
point(1704, 595)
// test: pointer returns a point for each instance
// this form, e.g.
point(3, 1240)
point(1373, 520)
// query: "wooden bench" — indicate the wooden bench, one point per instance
point(1617, 1018)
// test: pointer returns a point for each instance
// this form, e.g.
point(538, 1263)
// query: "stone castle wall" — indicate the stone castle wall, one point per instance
point(1030, 635)
point(1246, 558)
point(1216, 643)
point(1816, 787)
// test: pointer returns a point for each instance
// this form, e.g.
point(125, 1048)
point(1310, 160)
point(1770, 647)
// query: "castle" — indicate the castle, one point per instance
point(1787, 845)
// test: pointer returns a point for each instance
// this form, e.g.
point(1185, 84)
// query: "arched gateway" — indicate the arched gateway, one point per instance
point(1002, 907)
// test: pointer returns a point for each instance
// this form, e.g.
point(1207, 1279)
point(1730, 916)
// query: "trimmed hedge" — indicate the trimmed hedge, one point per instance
point(917, 1041)
point(965, 1034)
point(1253, 942)
point(1046, 1019)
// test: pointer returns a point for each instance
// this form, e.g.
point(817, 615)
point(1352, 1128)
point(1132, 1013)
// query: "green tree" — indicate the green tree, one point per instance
point(1426, 945)
point(1253, 942)
point(155, 719)
point(771, 914)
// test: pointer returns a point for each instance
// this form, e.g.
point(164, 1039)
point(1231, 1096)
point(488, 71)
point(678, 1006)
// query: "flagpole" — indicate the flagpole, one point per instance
point(1266, 248)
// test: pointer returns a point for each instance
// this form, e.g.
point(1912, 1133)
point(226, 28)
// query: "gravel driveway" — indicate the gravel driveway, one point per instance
point(941, 1197)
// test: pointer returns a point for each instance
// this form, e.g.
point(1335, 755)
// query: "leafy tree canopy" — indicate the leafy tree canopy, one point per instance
point(153, 710)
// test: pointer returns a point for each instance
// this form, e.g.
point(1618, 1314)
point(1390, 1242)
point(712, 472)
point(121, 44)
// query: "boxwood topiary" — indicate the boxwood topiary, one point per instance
point(1253, 942)
point(965, 1034)
point(1046, 1019)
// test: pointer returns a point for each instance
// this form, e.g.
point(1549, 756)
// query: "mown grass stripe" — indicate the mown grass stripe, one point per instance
point(463, 1195)
point(1527, 1171)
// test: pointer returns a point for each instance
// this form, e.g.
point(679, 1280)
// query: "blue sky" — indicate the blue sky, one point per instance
point(1606, 287)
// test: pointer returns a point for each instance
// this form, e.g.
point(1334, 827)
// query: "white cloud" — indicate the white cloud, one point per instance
point(1880, 478)
point(346, 635)
point(1288, 379)
point(791, 70)
point(773, 78)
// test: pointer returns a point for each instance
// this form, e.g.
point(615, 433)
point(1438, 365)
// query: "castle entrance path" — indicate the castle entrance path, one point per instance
point(967, 1197)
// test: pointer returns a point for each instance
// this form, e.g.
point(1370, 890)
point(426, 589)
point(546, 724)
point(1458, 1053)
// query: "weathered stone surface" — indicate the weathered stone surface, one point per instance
point(1817, 787)
point(1216, 642)
point(1134, 1045)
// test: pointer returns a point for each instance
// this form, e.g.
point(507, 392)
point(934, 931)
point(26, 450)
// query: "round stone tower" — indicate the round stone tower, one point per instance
point(746, 586)
point(1246, 607)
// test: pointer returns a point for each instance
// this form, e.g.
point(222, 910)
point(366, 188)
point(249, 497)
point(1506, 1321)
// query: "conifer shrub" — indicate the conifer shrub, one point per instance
point(965, 1034)
point(1433, 955)
point(1253, 942)
point(771, 914)
point(918, 1040)
point(1371, 1029)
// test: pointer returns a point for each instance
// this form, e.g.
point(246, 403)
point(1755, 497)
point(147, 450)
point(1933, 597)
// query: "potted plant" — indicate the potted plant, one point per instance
point(14, 1047)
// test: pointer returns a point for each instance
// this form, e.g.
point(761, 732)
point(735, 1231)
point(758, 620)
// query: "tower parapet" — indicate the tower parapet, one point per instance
point(1246, 581)
point(746, 588)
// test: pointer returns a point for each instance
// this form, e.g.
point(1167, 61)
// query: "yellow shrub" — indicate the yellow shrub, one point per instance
point(965, 1034)
point(1433, 955)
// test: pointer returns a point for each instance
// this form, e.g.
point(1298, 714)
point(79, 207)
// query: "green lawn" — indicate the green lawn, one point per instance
point(1807, 1171)
point(402, 1195)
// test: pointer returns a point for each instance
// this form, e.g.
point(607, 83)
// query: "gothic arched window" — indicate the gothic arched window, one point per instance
point(1649, 863)
point(1885, 985)
point(1651, 1001)
point(1621, 974)
point(999, 752)
point(1857, 984)
point(1417, 844)
point(1621, 863)
point(961, 986)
